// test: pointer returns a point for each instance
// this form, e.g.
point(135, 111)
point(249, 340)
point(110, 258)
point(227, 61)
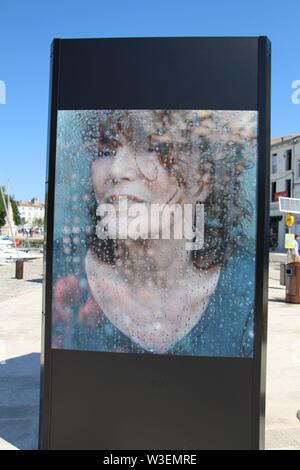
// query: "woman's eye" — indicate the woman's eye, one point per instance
point(162, 148)
point(106, 153)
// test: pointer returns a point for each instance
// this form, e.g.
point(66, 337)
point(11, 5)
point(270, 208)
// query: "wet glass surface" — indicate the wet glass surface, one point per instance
point(149, 288)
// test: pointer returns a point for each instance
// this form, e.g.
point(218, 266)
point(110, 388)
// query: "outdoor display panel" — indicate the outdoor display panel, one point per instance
point(156, 262)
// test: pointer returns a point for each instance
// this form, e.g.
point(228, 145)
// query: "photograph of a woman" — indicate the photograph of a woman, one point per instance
point(144, 292)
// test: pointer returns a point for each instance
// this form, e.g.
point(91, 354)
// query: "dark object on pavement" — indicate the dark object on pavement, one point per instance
point(19, 268)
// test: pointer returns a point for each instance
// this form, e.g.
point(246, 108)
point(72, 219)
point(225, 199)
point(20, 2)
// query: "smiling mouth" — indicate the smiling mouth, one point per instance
point(116, 198)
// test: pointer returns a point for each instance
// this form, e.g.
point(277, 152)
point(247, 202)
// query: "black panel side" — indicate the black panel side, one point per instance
point(45, 393)
point(262, 243)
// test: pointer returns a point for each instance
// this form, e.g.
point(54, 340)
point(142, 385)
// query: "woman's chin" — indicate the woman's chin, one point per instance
point(159, 342)
point(157, 346)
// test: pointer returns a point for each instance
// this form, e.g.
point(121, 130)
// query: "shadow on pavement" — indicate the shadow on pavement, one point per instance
point(19, 400)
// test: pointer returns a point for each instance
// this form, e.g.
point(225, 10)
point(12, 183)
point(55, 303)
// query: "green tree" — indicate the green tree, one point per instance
point(16, 215)
point(2, 209)
point(2, 213)
point(38, 222)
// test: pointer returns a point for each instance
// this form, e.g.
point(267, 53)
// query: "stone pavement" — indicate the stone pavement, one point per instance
point(283, 365)
point(10, 287)
point(20, 343)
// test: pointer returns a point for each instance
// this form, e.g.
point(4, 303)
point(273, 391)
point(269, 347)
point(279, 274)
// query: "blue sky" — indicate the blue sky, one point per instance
point(28, 27)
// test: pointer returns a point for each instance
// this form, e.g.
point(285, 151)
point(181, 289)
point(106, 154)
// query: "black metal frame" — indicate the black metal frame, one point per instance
point(259, 360)
point(45, 394)
point(262, 243)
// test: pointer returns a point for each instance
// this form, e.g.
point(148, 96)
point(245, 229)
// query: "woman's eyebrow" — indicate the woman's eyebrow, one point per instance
point(159, 132)
point(180, 144)
point(107, 139)
point(114, 137)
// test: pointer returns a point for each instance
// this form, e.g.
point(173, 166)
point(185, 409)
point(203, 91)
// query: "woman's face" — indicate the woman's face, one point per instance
point(143, 160)
point(136, 175)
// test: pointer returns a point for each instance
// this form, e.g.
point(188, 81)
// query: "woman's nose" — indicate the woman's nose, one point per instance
point(123, 165)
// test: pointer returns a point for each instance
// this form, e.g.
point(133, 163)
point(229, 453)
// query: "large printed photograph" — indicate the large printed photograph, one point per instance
point(155, 232)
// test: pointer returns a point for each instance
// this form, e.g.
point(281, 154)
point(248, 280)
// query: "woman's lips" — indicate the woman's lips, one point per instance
point(116, 198)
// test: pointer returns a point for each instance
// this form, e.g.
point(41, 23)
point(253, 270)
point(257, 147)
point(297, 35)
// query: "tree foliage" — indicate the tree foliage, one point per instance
point(16, 215)
point(2, 213)
point(38, 222)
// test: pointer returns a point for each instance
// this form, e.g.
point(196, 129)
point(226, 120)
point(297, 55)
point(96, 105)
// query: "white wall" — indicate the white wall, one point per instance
point(31, 213)
point(280, 177)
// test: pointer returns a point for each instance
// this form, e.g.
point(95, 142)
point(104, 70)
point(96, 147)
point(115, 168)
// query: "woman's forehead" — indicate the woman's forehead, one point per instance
point(140, 124)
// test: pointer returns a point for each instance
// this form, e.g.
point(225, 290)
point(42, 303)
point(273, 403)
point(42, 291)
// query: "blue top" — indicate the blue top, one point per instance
point(225, 329)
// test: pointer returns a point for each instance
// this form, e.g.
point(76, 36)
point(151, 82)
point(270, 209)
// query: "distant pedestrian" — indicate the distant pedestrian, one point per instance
point(295, 250)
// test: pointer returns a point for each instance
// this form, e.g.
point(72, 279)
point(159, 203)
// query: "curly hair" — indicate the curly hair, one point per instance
point(211, 147)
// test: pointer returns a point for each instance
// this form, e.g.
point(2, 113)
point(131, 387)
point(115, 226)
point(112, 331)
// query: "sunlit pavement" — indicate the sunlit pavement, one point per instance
point(283, 365)
point(20, 343)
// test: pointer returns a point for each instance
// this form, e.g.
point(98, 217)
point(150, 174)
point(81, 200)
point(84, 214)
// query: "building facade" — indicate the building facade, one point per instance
point(285, 182)
point(31, 211)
